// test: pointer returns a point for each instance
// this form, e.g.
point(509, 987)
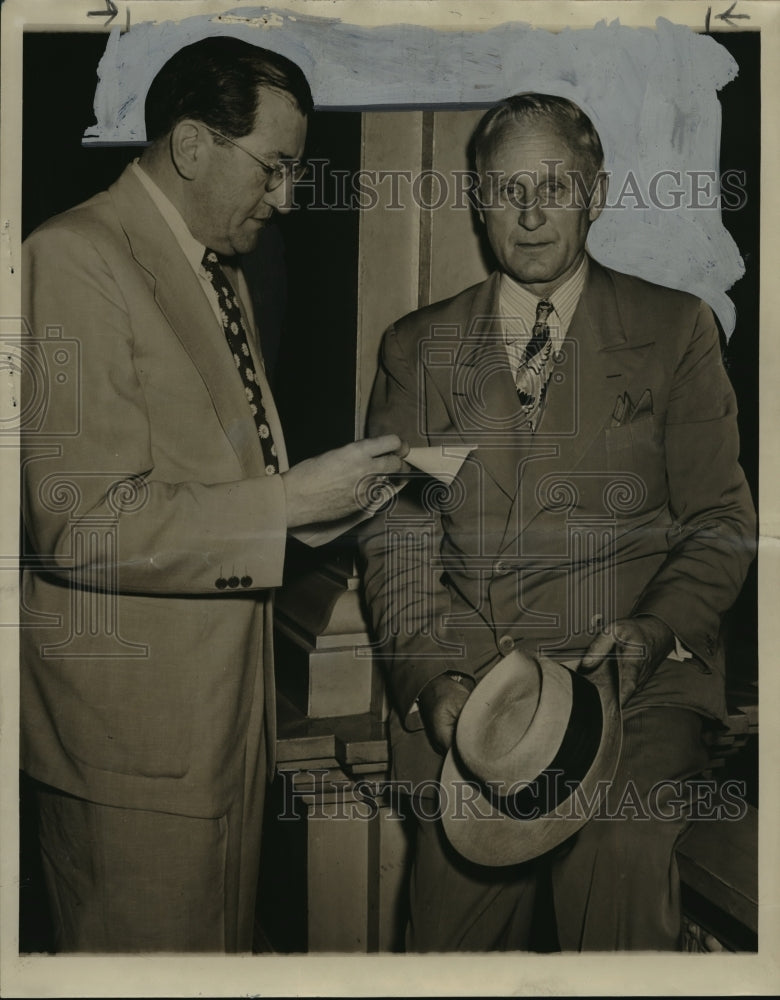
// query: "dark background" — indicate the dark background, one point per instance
point(304, 286)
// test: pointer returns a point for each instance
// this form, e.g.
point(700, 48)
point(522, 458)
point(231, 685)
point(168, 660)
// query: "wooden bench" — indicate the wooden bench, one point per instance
point(719, 874)
point(718, 858)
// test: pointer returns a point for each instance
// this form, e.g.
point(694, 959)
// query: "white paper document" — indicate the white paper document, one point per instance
point(441, 461)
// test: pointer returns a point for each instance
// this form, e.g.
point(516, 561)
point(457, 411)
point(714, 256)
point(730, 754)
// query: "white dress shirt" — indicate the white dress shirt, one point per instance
point(518, 312)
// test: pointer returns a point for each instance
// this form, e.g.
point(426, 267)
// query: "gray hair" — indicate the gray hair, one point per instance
point(570, 121)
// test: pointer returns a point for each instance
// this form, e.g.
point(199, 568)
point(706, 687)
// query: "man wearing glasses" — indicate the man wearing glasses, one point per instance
point(147, 684)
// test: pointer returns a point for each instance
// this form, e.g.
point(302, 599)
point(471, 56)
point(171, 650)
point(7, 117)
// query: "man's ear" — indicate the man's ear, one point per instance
point(599, 197)
point(187, 148)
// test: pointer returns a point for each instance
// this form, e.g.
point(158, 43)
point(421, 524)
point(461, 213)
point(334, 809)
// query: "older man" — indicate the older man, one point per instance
point(601, 514)
point(158, 517)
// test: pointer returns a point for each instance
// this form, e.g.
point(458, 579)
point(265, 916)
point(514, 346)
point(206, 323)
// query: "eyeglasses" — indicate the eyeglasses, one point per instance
point(513, 194)
point(278, 172)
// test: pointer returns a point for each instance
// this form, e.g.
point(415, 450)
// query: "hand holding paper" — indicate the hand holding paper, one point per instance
point(331, 493)
point(443, 462)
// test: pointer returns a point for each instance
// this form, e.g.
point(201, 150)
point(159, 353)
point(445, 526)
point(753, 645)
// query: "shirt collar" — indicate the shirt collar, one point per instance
point(518, 305)
point(193, 250)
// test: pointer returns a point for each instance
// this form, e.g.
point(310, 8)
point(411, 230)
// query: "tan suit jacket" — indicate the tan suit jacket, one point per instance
point(155, 537)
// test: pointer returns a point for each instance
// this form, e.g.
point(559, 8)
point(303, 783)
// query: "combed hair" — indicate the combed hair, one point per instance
point(215, 81)
point(571, 122)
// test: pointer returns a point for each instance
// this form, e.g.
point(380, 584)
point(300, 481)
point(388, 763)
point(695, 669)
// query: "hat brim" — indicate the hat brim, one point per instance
point(482, 833)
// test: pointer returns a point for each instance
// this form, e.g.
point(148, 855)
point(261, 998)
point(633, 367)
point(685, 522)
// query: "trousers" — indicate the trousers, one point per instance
point(130, 880)
point(614, 883)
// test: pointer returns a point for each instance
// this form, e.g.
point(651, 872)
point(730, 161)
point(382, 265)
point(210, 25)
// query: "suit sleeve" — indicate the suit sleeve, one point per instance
point(712, 540)
point(97, 468)
point(407, 602)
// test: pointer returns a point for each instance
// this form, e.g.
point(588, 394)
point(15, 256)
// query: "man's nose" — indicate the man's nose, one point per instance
point(281, 198)
point(531, 216)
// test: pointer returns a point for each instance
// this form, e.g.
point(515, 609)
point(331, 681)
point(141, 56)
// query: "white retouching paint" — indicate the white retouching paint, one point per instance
point(651, 92)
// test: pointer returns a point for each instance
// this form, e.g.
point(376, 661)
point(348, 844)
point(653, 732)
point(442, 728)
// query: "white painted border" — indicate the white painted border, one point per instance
point(452, 975)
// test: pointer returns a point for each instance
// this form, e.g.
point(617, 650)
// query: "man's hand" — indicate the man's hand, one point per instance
point(637, 644)
point(441, 701)
point(344, 480)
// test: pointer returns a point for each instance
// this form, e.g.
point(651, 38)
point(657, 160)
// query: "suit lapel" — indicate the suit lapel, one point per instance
point(598, 361)
point(183, 302)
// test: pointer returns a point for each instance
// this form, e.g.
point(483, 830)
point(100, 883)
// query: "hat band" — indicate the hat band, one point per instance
point(571, 763)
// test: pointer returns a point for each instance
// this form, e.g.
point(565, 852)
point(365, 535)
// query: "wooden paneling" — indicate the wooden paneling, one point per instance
point(421, 242)
point(388, 271)
point(456, 259)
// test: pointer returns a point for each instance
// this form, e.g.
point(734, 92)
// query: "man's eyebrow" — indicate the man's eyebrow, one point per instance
point(284, 155)
point(277, 154)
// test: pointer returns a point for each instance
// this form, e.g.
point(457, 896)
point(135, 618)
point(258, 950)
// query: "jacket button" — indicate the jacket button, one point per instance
point(232, 582)
point(506, 644)
point(246, 581)
point(220, 583)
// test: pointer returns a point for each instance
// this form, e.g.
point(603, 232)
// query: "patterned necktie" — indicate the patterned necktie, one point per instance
point(235, 333)
point(534, 371)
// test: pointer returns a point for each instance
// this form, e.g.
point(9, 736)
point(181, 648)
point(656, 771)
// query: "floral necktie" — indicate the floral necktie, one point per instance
point(534, 371)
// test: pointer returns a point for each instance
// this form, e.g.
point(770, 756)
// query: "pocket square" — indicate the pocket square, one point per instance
point(625, 411)
point(644, 408)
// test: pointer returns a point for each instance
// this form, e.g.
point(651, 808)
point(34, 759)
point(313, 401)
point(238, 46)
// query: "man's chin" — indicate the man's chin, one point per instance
point(532, 275)
point(535, 272)
point(248, 240)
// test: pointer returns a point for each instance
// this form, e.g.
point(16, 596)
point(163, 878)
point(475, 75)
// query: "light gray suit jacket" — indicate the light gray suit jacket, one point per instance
point(144, 677)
